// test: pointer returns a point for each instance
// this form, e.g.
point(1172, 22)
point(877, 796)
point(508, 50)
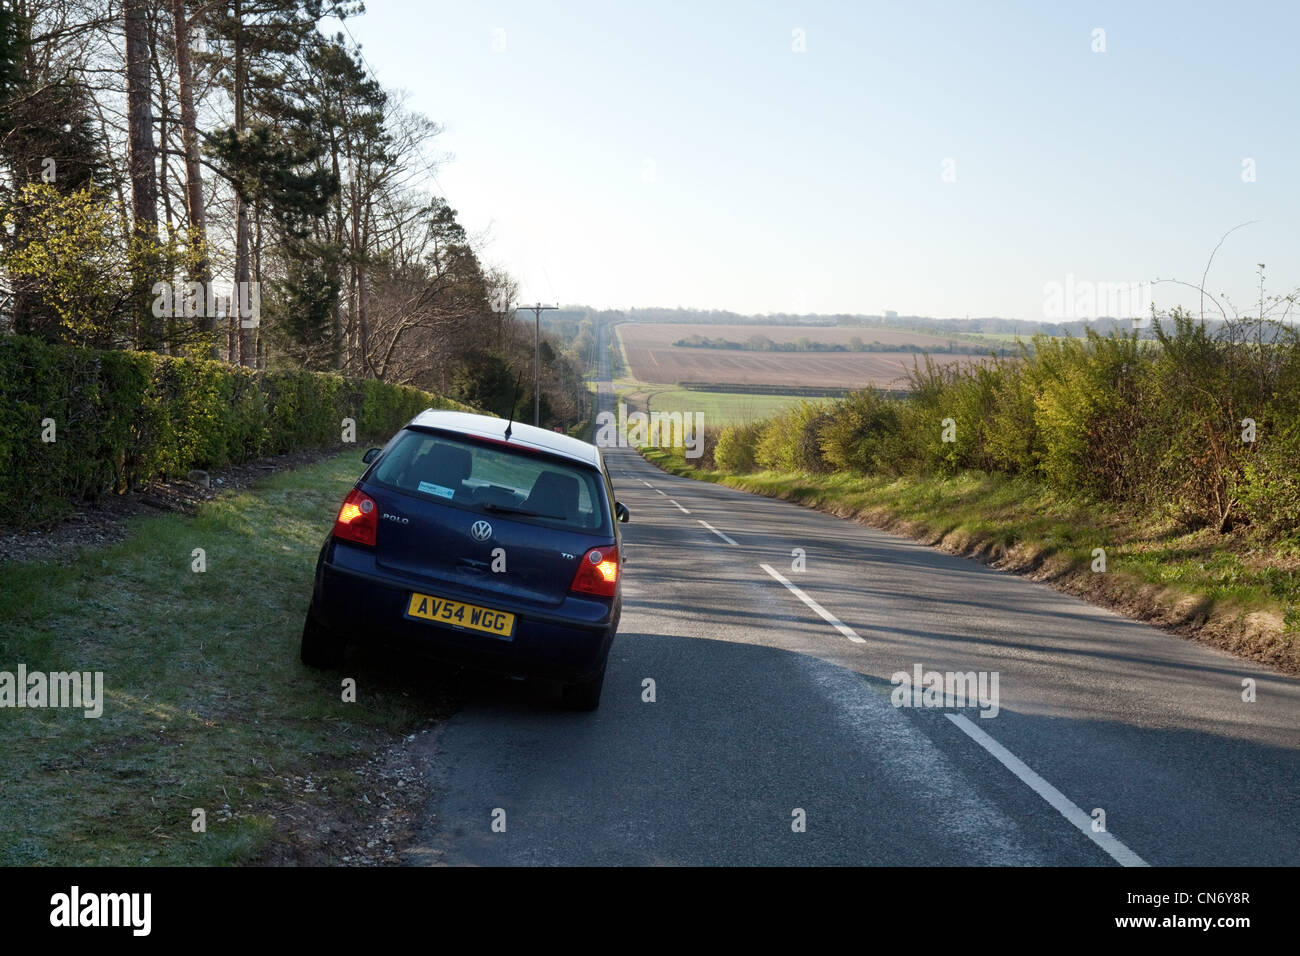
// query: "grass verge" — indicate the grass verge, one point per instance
point(1224, 590)
point(206, 705)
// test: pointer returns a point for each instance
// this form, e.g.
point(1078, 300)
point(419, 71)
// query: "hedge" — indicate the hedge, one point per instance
point(1201, 425)
point(123, 418)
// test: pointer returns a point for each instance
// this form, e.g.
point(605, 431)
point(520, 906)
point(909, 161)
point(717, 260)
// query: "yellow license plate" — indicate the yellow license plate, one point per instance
point(470, 616)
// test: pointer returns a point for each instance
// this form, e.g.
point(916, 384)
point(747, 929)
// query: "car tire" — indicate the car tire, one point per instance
point(321, 647)
point(584, 695)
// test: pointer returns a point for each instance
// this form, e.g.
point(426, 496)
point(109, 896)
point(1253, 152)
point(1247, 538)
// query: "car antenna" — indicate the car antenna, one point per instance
point(511, 424)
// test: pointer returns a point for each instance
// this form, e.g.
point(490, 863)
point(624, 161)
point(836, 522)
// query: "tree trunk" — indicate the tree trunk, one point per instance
point(358, 265)
point(144, 187)
point(241, 205)
point(259, 348)
point(173, 334)
point(337, 310)
point(363, 293)
point(195, 213)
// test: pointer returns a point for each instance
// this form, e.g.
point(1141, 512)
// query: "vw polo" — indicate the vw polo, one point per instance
point(483, 543)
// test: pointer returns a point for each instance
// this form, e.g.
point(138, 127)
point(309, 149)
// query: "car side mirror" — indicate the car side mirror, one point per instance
point(620, 510)
point(371, 454)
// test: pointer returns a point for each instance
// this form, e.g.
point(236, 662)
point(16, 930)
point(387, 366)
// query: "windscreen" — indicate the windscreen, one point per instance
point(494, 479)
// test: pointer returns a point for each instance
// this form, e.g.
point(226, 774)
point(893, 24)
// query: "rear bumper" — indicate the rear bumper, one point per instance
point(364, 608)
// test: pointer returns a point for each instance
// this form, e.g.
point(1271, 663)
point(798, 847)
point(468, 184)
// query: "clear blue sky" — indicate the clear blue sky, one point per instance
point(682, 154)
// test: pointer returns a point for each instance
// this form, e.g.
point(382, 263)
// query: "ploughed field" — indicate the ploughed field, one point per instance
point(652, 357)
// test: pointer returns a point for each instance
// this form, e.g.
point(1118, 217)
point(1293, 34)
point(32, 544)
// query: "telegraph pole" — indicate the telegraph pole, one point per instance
point(537, 311)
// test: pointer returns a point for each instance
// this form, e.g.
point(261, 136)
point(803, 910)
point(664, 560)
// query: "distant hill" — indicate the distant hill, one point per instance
point(989, 325)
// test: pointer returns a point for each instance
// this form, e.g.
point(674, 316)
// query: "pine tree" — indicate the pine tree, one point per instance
point(270, 149)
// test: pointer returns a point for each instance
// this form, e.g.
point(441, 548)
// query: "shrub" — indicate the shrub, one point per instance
point(1270, 485)
point(1084, 402)
point(969, 401)
point(1154, 425)
point(929, 406)
point(708, 457)
point(1011, 439)
point(734, 452)
point(864, 435)
point(792, 440)
point(123, 418)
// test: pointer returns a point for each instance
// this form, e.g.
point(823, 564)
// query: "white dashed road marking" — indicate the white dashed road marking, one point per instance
point(830, 618)
point(1118, 851)
point(715, 531)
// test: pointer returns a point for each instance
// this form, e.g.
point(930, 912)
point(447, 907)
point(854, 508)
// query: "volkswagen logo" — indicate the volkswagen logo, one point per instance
point(481, 530)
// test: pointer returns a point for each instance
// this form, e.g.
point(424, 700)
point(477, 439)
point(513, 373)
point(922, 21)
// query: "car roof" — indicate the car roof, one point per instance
point(529, 436)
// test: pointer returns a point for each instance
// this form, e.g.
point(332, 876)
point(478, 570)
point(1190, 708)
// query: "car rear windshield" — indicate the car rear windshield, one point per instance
point(494, 479)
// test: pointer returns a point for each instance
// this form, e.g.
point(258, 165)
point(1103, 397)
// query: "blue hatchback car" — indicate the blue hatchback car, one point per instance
point(487, 544)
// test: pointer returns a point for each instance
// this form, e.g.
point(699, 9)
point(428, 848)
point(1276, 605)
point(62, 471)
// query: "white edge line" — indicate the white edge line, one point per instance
point(826, 615)
point(683, 510)
point(716, 531)
point(1117, 850)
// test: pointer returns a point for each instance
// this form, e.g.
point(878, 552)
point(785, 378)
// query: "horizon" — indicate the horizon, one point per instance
point(1143, 321)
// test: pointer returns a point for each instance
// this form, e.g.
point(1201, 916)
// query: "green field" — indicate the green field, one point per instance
point(719, 408)
point(993, 339)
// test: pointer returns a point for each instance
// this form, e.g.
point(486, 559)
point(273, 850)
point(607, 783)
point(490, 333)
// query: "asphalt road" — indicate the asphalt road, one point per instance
point(772, 706)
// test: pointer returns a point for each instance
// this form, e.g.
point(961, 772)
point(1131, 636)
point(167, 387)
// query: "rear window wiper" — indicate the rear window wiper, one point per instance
point(506, 509)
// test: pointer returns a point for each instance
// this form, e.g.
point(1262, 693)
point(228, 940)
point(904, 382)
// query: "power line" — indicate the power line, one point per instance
point(537, 311)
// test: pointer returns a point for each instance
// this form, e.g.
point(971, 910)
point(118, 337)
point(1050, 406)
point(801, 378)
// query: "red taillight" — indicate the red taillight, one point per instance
point(358, 519)
point(597, 572)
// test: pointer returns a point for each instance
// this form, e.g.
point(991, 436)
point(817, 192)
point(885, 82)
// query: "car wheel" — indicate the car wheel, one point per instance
point(584, 695)
point(320, 646)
